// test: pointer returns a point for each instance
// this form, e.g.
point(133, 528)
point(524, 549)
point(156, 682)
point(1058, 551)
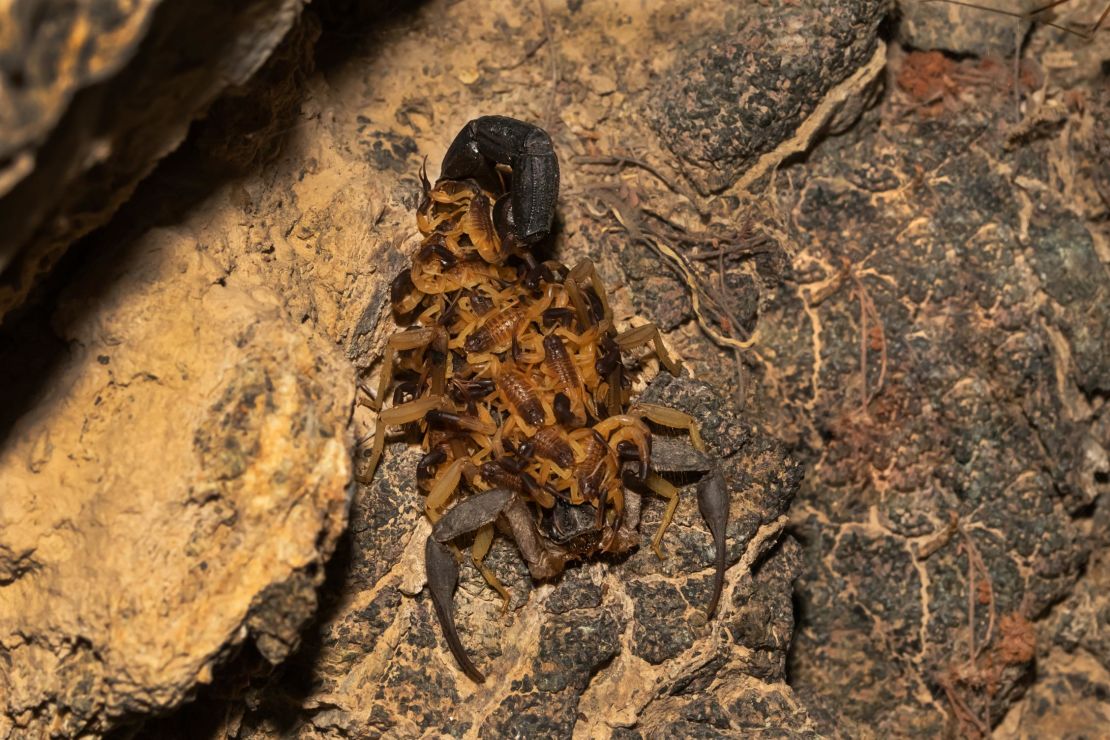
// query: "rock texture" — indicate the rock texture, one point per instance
point(954, 473)
point(744, 90)
point(963, 30)
point(92, 95)
point(915, 306)
point(173, 488)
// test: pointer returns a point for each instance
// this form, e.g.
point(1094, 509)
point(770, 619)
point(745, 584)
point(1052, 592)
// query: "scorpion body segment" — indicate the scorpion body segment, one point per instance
point(496, 332)
point(550, 444)
point(522, 397)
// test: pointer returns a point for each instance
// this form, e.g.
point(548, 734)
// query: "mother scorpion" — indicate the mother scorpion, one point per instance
point(512, 371)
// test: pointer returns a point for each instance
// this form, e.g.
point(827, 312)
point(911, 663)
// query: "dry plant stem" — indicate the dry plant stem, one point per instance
point(977, 558)
point(868, 311)
point(624, 215)
point(619, 160)
point(972, 651)
point(698, 290)
point(735, 250)
point(963, 713)
point(737, 363)
point(1017, 73)
point(941, 537)
point(553, 57)
point(972, 676)
point(1029, 16)
point(862, 348)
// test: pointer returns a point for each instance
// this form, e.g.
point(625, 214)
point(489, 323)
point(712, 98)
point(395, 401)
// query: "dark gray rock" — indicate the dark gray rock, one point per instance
point(736, 94)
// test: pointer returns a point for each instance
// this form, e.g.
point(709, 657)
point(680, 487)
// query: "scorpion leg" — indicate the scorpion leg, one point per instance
point(673, 456)
point(443, 488)
point(478, 551)
point(443, 577)
point(713, 500)
point(641, 335)
point(403, 414)
point(664, 488)
point(402, 341)
point(672, 418)
point(585, 271)
point(581, 308)
point(526, 216)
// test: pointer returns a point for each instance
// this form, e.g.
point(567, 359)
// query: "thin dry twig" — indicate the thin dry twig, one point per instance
point(1029, 15)
point(623, 160)
point(970, 675)
point(940, 537)
point(961, 710)
point(553, 60)
point(867, 313)
point(975, 559)
point(701, 297)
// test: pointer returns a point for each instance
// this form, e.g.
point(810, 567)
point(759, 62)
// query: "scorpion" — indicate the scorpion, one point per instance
point(512, 372)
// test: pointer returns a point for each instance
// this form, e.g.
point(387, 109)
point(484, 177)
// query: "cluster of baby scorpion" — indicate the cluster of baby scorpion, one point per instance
point(511, 371)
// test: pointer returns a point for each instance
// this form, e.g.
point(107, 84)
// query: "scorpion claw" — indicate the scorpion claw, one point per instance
point(471, 514)
point(443, 576)
point(488, 141)
point(713, 503)
point(672, 455)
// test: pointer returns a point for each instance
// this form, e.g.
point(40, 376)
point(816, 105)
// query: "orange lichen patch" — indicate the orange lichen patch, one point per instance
point(998, 72)
point(924, 75)
point(983, 592)
point(933, 80)
point(1018, 644)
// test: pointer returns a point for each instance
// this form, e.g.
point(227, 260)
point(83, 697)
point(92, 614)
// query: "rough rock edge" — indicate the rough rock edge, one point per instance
point(117, 126)
point(838, 109)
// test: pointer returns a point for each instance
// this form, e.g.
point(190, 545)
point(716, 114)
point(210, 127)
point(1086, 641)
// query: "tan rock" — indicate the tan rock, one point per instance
point(176, 488)
point(93, 95)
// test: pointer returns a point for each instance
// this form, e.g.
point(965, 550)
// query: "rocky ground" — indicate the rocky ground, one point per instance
point(879, 242)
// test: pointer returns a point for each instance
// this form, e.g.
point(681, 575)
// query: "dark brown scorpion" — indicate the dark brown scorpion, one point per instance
point(512, 372)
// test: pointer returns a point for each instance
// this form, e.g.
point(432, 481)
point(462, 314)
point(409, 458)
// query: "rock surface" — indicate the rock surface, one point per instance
point(917, 307)
point(92, 95)
point(744, 90)
point(963, 30)
point(174, 487)
point(941, 339)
